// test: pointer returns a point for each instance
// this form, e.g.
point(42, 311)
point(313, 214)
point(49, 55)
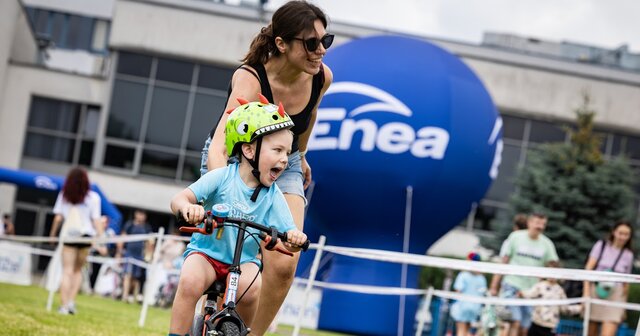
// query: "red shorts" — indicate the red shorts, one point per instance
point(221, 269)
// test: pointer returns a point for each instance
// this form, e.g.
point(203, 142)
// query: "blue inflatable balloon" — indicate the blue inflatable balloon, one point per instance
point(406, 140)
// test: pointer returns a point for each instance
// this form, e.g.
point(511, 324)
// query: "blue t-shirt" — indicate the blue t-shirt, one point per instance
point(224, 185)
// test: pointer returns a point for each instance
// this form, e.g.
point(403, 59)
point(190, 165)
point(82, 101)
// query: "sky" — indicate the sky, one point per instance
point(600, 23)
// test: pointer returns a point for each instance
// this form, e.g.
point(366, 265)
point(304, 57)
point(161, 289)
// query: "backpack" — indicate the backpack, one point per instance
point(72, 225)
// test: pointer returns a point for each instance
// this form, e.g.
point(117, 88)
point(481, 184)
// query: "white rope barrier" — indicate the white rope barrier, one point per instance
point(483, 267)
point(376, 255)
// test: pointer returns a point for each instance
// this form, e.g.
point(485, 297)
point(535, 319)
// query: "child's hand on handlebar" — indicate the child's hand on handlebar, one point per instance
point(193, 213)
point(295, 238)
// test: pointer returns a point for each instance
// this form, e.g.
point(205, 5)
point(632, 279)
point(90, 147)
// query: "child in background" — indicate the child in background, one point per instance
point(470, 283)
point(546, 318)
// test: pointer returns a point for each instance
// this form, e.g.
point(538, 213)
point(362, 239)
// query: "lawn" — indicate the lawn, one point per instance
point(23, 312)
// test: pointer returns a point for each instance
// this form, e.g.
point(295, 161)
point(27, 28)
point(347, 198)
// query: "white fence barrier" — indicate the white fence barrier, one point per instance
point(10, 247)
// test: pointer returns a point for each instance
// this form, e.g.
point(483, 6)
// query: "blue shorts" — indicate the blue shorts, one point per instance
point(290, 182)
point(520, 314)
point(465, 311)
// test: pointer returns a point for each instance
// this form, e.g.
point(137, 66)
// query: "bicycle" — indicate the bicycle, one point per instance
point(223, 320)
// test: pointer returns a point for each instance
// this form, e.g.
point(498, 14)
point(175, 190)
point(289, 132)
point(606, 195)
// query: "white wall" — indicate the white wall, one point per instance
point(102, 9)
point(181, 32)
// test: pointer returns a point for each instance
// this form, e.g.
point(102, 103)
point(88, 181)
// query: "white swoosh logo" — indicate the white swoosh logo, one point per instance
point(386, 103)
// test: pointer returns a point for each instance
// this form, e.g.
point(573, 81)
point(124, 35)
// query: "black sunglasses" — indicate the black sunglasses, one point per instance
point(313, 43)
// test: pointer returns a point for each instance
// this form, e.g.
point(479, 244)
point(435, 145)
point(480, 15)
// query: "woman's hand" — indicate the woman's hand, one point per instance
point(306, 172)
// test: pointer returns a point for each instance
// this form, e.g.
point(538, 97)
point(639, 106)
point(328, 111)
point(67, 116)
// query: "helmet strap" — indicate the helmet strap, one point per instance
point(255, 171)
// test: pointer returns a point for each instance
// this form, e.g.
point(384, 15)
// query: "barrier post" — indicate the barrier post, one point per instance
point(310, 281)
point(587, 316)
point(51, 273)
point(422, 314)
point(151, 272)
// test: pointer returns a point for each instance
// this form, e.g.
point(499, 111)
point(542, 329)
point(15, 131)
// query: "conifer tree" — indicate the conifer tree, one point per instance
point(581, 193)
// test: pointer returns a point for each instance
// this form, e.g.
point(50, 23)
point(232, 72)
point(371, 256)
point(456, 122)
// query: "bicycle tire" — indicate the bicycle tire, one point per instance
point(197, 328)
point(229, 328)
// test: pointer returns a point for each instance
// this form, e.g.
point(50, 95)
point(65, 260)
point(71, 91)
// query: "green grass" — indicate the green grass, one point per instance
point(23, 312)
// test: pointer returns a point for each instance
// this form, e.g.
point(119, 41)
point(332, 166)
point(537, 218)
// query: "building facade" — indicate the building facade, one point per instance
point(130, 89)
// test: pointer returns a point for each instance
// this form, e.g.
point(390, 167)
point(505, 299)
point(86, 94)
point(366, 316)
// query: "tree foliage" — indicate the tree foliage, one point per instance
point(581, 193)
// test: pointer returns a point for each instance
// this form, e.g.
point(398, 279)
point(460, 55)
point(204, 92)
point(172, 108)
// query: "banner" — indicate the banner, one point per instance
point(15, 263)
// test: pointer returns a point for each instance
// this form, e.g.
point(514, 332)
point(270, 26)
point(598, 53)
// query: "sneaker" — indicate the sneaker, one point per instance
point(62, 310)
point(71, 307)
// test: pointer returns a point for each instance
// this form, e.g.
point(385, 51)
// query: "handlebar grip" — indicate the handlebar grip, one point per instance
point(305, 245)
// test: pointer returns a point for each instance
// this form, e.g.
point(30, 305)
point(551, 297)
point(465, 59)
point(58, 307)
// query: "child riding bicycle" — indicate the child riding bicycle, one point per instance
point(258, 134)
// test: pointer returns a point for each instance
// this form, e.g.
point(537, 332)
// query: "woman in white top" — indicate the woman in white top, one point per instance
point(77, 209)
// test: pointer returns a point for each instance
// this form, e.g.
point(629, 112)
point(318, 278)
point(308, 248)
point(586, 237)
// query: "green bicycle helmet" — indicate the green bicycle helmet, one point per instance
point(250, 122)
point(253, 120)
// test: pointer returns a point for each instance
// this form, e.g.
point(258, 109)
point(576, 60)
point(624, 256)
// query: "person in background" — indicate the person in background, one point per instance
point(7, 228)
point(527, 248)
point(470, 283)
point(134, 250)
point(77, 214)
point(617, 256)
point(545, 319)
point(101, 250)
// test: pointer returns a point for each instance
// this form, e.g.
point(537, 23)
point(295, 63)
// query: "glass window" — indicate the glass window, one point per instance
point(489, 218)
point(91, 121)
point(513, 127)
point(633, 147)
point(175, 71)
point(121, 157)
point(41, 22)
point(167, 116)
point(191, 168)
point(175, 104)
point(49, 147)
point(214, 77)
point(206, 113)
point(504, 185)
point(134, 64)
point(100, 32)
point(542, 132)
point(127, 107)
point(80, 30)
point(86, 153)
point(54, 114)
point(58, 22)
point(158, 163)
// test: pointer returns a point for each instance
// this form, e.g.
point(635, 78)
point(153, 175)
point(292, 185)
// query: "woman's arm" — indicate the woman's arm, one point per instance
point(303, 139)
point(55, 226)
point(243, 85)
point(590, 265)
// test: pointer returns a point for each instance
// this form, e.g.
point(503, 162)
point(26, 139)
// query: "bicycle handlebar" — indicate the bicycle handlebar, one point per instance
point(212, 222)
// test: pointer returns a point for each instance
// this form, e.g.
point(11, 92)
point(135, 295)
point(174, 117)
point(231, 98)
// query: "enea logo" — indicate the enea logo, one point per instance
point(392, 137)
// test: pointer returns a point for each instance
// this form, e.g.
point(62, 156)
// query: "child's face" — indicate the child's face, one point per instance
point(274, 156)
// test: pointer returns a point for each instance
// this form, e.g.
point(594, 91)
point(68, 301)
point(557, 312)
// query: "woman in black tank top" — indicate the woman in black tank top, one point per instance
point(284, 63)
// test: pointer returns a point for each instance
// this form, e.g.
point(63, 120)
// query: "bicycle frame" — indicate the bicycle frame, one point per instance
point(218, 321)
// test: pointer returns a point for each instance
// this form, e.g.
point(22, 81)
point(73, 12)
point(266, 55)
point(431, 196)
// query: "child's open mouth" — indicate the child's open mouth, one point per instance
point(274, 173)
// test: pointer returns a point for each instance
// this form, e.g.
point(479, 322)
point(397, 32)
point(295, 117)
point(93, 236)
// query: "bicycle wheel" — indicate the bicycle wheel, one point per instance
point(197, 327)
point(228, 328)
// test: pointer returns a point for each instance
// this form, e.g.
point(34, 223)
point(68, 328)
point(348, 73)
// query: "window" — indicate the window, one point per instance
point(61, 131)
point(542, 132)
point(162, 111)
point(70, 31)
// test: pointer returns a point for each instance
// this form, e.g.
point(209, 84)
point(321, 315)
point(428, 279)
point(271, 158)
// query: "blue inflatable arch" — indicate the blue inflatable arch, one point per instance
point(53, 183)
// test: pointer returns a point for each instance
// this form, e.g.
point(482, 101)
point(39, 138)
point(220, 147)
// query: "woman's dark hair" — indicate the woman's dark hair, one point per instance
point(76, 186)
point(520, 221)
point(615, 227)
point(289, 20)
